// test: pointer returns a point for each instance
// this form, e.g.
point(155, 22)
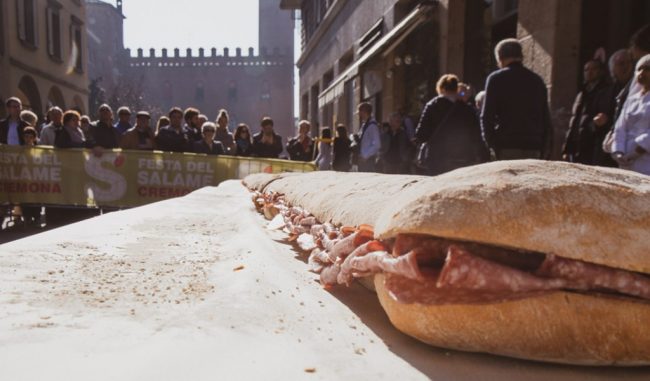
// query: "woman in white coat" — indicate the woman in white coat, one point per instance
point(631, 148)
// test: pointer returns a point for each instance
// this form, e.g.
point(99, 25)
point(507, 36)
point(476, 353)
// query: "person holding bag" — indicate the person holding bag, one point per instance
point(631, 139)
point(448, 134)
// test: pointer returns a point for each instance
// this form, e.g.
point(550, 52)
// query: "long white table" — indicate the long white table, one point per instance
point(195, 288)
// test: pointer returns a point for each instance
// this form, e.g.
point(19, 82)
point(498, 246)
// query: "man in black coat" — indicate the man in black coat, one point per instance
point(267, 143)
point(621, 68)
point(397, 149)
point(175, 137)
point(515, 120)
point(301, 147)
point(11, 129)
point(583, 133)
point(102, 132)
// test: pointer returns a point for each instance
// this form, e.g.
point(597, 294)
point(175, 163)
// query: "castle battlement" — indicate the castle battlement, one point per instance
point(225, 53)
point(225, 59)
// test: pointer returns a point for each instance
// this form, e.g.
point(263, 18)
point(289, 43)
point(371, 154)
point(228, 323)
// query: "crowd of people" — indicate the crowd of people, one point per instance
point(510, 119)
point(610, 123)
point(180, 131)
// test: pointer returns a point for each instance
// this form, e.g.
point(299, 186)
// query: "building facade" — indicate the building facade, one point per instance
point(43, 55)
point(250, 83)
point(391, 52)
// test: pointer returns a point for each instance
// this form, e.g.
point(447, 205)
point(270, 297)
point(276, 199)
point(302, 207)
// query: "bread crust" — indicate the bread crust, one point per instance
point(337, 197)
point(599, 215)
point(561, 327)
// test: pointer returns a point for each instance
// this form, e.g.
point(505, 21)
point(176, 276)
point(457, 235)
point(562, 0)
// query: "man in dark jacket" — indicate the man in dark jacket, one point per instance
point(301, 147)
point(102, 132)
point(175, 137)
point(267, 143)
point(397, 149)
point(621, 68)
point(580, 143)
point(192, 126)
point(515, 120)
point(11, 129)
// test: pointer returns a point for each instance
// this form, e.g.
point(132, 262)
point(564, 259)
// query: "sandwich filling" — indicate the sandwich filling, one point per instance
point(430, 270)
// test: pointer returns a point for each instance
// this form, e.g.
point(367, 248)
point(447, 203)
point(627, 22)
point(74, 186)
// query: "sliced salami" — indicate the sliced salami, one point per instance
point(593, 276)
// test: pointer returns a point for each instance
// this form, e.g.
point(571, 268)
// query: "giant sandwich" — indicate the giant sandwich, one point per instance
point(537, 260)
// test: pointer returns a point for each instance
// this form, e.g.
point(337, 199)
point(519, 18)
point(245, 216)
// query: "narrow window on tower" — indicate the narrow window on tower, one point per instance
point(76, 42)
point(53, 23)
point(199, 93)
point(26, 22)
point(232, 91)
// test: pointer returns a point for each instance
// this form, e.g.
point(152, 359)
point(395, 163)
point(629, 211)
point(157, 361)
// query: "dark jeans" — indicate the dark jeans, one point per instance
point(518, 154)
point(367, 165)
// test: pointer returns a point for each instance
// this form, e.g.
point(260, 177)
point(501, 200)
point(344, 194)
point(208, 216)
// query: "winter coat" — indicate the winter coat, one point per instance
point(633, 129)
point(131, 140)
point(297, 150)
point(341, 154)
point(515, 111)
point(202, 147)
point(267, 150)
point(581, 138)
point(455, 141)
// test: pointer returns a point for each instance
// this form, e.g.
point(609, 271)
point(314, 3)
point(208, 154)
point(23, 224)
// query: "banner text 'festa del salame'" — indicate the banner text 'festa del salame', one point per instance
point(119, 178)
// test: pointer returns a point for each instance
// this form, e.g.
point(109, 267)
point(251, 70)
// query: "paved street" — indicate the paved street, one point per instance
point(54, 218)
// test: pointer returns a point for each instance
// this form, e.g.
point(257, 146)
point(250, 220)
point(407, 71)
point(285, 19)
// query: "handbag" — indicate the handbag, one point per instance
point(608, 142)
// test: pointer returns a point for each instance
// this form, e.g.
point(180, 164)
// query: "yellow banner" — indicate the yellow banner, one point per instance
point(119, 178)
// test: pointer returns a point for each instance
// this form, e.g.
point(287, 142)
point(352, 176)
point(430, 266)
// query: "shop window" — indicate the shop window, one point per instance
point(26, 22)
point(346, 60)
point(328, 78)
point(53, 22)
point(304, 106)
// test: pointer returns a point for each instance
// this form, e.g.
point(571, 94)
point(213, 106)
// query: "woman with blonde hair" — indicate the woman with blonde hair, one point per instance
point(29, 117)
point(163, 121)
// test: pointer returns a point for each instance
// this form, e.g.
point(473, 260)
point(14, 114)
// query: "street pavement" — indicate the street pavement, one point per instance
point(12, 230)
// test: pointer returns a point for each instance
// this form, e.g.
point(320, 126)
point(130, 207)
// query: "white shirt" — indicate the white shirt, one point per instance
point(632, 129)
point(371, 141)
point(12, 134)
point(48, 134)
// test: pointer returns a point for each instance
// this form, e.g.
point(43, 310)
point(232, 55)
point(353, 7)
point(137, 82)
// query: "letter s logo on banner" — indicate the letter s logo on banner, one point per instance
point(117, 182)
